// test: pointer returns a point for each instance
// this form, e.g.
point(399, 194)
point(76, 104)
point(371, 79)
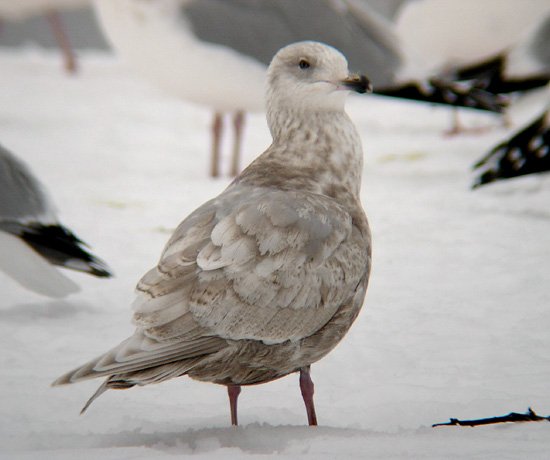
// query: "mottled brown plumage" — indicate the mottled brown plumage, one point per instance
point(267, 278)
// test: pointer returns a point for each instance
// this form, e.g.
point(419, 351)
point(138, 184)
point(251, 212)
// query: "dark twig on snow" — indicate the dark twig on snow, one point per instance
point(529, 416)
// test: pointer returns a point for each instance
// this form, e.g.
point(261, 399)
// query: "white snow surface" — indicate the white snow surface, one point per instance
point(455, 323)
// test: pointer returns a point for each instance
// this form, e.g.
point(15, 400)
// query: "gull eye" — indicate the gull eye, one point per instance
point(304, 64)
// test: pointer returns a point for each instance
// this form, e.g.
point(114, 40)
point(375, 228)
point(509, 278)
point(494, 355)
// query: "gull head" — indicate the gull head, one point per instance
point(311, 75)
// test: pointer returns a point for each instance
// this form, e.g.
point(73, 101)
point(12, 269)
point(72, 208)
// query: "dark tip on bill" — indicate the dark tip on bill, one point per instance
point(359, 84)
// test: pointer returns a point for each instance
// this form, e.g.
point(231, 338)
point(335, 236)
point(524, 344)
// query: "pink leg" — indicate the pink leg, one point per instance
point(238, 124)
point(62, 39)
point(217, 126)
point(233, 392)
point(307, 387)
point(458, 127)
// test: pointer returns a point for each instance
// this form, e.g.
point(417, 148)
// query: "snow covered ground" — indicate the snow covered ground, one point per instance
point(455, 324)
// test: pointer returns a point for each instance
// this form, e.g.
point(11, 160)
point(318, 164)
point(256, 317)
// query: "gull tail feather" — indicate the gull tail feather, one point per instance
point(110, 383)
point(102, 389)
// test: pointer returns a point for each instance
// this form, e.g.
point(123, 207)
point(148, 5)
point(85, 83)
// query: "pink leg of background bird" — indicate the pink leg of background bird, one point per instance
point(217, 126)
point(62, 39)
point(217, 130)
point(238, 124)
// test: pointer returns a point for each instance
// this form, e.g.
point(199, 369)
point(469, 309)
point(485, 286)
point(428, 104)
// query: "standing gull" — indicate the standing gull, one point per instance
point(176, 43)
point(31, 238)
point(267, 278)
point(447, 32)
point(523, 67)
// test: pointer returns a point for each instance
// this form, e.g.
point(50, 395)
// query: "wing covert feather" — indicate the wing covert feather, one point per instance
point(254, 263)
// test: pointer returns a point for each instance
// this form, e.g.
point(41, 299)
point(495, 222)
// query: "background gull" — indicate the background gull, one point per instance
point(176, 42)
point(446, 35)
point(31, 238)
point(517, 69)
point(447, 32)
point(267, 278)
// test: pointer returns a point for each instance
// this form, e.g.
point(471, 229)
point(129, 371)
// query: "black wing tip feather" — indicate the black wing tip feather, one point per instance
point(59, 246)
point(445, 92)
point(490, 75)
point(527, 152)
point(481, 86)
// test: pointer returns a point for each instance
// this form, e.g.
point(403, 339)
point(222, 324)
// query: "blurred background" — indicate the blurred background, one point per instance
point(482, 27)
point(456, 319)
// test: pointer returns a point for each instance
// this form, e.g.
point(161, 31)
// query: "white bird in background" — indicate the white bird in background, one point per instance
point(267, 278)
point(19, 10)
point(176, 43)
point(31, 238)
point(519, 68)
point(447, 33)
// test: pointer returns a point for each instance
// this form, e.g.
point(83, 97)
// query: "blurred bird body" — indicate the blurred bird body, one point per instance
point(31, 238)
point(524, 71)
point(175, 43)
